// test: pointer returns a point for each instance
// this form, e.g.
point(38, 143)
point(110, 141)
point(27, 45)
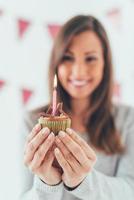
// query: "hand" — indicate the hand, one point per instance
point(39, 155)
point(75, 157)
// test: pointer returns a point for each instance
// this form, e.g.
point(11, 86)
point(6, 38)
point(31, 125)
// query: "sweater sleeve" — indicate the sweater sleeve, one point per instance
point(121, 186)
point(31, 187)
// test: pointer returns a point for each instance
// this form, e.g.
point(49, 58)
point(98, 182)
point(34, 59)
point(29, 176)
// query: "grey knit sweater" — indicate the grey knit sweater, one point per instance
point(111, 179)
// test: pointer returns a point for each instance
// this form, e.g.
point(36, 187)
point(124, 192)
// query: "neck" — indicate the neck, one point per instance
point(79, 106)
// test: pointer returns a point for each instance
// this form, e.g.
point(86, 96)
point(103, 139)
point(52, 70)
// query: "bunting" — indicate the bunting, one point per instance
point(23, 25)
point(114, 16)
point(2, 83)
point(26, 95)
point(1, 12)
point(117, 92)
point(117, 89)
point(53, 29)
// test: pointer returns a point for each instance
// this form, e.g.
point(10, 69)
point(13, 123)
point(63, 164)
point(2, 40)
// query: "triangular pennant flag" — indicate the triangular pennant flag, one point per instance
point(53, 29)
point(22, 27)
point(1, 12)
point(114, 15)
point(26, 95)
point(117, 90)
point(2, 83)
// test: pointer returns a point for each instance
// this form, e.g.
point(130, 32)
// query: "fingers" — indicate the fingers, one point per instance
point(41, 152)
point(45, 165)
point(86, 148)
point(73, 147)
point(62, 161)
point(34, 131)
point(68, 155)
point(32, 146)
point(48, 160)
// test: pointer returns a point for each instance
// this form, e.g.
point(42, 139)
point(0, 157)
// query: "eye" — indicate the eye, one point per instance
point(91, 59)
point(67, 58)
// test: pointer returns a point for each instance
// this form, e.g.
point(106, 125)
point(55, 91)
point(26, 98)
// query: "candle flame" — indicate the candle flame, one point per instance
point(55, 81)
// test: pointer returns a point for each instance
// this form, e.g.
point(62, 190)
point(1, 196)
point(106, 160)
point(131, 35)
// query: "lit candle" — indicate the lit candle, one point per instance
point(54, 105)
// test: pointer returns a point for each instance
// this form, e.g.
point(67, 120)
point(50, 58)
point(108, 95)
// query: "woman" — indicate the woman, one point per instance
point(96, 154)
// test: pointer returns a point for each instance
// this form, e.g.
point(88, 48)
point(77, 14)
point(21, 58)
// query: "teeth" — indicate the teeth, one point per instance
point(79, 83)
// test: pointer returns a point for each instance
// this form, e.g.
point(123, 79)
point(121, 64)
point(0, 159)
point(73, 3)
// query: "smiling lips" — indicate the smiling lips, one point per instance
point(79, 83)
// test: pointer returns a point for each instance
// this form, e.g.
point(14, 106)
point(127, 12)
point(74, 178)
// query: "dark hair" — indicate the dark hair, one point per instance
point(100, 123)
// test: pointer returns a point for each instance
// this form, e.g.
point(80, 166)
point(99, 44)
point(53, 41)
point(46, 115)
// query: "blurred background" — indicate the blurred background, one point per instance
point(27, 32)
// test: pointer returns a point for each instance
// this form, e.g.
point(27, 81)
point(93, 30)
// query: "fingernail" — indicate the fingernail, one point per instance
point(69, 131)
point(56, 150)
point(62, 134)
point(51, 135)
point(37, 127)
point(45, 130)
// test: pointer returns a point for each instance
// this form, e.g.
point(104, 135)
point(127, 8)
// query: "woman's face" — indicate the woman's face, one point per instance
point(82, 66)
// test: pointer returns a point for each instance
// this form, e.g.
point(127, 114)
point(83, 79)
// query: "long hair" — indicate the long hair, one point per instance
point(100, 123)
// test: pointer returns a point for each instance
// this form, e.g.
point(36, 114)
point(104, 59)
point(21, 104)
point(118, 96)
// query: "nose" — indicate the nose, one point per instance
point(79, 70)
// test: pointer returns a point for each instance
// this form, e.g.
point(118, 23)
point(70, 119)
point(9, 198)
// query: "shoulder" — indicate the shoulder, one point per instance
point(123, 111)
point(123, 116)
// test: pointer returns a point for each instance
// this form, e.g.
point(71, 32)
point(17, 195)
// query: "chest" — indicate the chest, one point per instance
point(106, 164)
point(78, 125)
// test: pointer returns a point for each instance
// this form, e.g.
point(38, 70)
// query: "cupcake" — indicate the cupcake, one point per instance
point(60, 121)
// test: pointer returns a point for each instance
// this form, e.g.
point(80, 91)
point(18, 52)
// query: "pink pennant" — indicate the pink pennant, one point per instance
point(2, 83)
point(117, 90)
point(22, 27)
point(1, 12)
point(114, 15)
point(26, 95)
point(53, 29)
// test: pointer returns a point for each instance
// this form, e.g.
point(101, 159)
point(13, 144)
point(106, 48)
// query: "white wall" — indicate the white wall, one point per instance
point(24, 61)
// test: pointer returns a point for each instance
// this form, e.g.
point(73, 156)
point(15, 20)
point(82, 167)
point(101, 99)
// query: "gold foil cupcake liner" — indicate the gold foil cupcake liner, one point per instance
point(55, 124)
